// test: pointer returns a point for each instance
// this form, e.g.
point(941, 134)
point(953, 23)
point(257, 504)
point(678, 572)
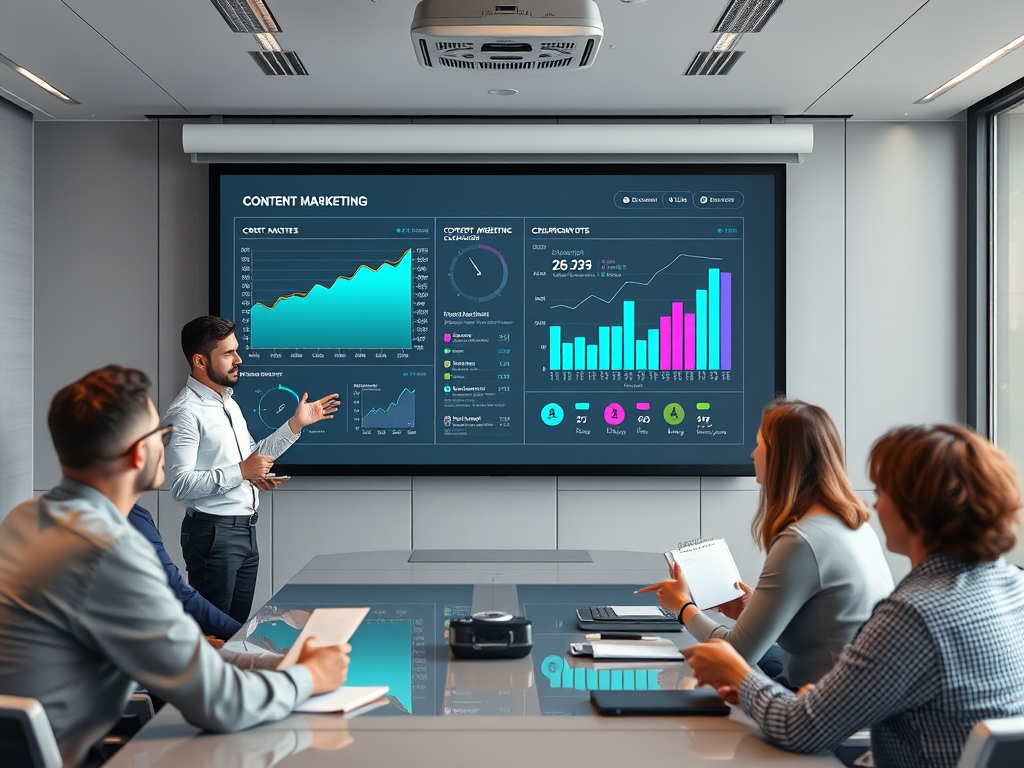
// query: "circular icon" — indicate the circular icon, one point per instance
point(478, 273)
point(277, 406)
point(674, 414)
point(614, 414)
point(625, 200)
point(552, 414)
point(703, 199)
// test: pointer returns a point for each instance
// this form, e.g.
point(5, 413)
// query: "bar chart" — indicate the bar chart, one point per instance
point(696, 340)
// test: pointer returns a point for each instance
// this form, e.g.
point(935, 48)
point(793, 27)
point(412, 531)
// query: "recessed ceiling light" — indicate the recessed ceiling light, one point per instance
point(726, 41)
point(247, 15)
point(37, 80)
point(967, 73)
point(267, 41)
point(503, 92)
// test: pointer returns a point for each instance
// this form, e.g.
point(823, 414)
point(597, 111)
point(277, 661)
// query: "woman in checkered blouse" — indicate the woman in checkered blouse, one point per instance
point(941, 653)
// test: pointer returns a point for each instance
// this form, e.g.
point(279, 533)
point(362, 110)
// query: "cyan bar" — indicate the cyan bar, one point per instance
point(628, 680)
point(555, 346)
point(580, 353)
point(641, 679)
point(580, 683)
point(652, 679)
point(616, 678)
point(567, 676)
point(690, 334)
point(591, 357)
point(592, 679)
point(641, 355)
point(604, 347)
point(677, 335)
point(628, 334)
point(616, 347)
point(702, 330)
point(652, 349)
point(603, 680)
point(566, 356)
point(714, 318)
point(665, 337)
point(726, 321)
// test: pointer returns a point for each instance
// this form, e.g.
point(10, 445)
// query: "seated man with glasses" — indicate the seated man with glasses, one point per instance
point(85, 610)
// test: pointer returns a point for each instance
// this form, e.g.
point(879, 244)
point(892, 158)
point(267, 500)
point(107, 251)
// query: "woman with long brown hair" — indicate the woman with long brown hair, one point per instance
point(824, 568)
point(944, 650)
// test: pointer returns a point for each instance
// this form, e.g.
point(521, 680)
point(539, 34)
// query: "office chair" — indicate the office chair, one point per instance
point(994, 744)
point(26, 739)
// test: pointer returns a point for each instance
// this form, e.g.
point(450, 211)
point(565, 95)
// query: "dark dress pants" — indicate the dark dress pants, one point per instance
point(222, 558)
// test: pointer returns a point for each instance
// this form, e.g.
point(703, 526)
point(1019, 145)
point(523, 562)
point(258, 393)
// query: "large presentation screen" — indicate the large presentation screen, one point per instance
point(505, 319)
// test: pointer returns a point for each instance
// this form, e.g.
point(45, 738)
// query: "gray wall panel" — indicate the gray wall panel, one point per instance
point(95, 255)
point(484, 513)
point(16, 370)
point(642, 521)
point(169, 525)
point(905, 280)
point(727, 515)
point(310, 523)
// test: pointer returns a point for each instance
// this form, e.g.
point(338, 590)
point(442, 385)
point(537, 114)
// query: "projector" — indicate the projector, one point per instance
point(528, 36)
point(490, 635)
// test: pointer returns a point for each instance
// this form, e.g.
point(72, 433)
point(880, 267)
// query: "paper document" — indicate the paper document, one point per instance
point(710, 571)
point(637, 610)
point(330, 626)
point(661, 649)
point(343, 699)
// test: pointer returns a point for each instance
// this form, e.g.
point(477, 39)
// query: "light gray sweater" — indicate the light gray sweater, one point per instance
point(819, 584)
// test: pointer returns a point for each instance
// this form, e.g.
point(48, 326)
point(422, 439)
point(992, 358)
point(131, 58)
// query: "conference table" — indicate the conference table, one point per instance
point(442, 711)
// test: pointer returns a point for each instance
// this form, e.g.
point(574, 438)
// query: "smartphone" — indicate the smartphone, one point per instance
point(581, 649)
point(670, 559)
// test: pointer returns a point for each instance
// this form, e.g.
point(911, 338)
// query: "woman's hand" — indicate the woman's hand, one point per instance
point(672, 593)
point(735, 607)
point(716, 663)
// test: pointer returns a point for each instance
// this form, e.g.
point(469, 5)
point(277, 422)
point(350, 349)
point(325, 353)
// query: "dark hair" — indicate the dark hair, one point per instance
point(91, 419)
point(201, 335)
point(951, 486)
point(804, 466)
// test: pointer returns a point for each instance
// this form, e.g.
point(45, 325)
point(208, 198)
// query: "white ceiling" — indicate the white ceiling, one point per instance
point(872, 59)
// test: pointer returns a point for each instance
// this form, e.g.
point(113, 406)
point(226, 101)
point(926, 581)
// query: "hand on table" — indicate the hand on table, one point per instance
point(327, 664)
point(735, 607)
point(216, 642)
point(307, 412)
point(716, 663)
point(672, 593)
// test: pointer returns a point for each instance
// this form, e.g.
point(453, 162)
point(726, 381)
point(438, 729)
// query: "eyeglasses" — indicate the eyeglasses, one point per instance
point(165, 431)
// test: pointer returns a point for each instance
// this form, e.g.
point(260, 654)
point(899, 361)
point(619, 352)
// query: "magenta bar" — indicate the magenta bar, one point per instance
point(665, 361)
point(677, 335)
point(690, 331)
point(643, 406)
point(726, 327)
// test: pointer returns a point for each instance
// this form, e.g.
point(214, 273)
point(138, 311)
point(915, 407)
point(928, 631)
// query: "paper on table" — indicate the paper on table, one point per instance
point(662, 649)
point(343, 699)
point(330, 626)
point(636, 610)
point(710, 571)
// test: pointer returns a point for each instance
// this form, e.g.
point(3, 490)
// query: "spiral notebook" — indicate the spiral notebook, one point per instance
point(710, 570)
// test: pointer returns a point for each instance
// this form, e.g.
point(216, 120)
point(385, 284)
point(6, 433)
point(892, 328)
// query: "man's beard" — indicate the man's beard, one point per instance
point(225, 379)
point(146, 480)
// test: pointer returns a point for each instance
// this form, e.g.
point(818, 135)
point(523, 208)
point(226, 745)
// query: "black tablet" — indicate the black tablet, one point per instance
point(697, 702)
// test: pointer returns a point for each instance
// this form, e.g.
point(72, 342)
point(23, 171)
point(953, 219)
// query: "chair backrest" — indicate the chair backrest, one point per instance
point(26, 739)
point(994, 744)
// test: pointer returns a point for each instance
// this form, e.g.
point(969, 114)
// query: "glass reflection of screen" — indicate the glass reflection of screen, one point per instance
point(561, 674)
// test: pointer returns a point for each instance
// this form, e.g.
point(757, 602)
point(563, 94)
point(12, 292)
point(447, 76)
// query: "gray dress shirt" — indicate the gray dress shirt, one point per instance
point(819, 583)
point(85, 612)
point(209, 441)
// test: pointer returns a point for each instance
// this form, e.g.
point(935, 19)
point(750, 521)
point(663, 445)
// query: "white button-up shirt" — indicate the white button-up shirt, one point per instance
point(209, 441)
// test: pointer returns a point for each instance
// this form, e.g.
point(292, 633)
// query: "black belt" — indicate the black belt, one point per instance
point(249, 520)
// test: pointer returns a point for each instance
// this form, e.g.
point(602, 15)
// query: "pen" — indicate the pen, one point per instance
point(621, 636)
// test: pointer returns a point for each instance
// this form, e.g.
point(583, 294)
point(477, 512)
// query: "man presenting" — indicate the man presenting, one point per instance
point(217, 470)
point(85, 610)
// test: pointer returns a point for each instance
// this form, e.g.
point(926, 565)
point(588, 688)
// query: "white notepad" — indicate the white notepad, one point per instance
point(343, 699)
point(710, 571)
point(330, 626)
point(661, 649)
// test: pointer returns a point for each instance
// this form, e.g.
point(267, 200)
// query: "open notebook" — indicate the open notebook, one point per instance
point(710, 571)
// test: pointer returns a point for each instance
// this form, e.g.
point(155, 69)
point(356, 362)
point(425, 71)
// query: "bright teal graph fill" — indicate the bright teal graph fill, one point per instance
point(382, 655)
point(372, 309)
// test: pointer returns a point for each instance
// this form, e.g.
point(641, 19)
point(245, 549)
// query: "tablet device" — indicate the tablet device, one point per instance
point(664, 703)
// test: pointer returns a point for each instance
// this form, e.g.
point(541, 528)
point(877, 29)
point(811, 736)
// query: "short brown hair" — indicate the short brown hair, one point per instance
point(90, 419)
point(200, 336)
point(804, 466)
point(952, 486)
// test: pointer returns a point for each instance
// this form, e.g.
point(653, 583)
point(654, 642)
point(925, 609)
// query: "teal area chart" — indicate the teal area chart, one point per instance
point(371, 309)
point(382, 655)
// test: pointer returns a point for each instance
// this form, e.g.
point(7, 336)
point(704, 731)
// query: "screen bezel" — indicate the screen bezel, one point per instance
point(400, 167)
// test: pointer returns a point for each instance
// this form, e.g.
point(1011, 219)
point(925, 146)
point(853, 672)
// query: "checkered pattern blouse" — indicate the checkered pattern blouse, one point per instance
point(944, 651)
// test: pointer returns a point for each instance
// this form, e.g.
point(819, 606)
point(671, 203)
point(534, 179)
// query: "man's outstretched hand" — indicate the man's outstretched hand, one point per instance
point(310, 412)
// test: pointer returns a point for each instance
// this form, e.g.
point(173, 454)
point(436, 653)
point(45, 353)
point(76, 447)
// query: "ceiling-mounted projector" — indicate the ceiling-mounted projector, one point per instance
point(528, 36)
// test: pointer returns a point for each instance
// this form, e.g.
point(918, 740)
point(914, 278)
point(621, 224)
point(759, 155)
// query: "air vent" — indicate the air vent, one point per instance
point(713, 63)
point(456, 63)
point(557, 46)
point(742, 16)
point(279, 63)
point(426, 53)
point(247, 15)
point(553, 63)
point(505, 64)
point(585, 59)
point(454, 46)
